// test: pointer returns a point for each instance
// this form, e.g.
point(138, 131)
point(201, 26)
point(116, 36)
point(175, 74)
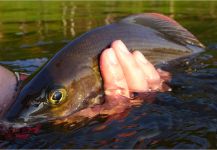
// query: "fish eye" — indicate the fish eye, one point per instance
point(56, 96)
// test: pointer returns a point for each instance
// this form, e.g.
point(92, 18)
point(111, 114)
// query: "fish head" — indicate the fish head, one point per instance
point(50, 96)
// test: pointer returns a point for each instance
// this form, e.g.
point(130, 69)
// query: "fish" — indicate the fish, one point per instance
point(70, 81)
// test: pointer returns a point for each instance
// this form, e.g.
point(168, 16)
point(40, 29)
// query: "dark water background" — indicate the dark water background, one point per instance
point(31, 32)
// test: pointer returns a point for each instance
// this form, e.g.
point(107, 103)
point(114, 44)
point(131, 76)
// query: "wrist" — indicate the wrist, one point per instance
point(8, 85)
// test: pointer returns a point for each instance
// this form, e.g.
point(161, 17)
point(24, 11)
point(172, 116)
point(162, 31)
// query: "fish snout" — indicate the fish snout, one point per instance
point(24, 109)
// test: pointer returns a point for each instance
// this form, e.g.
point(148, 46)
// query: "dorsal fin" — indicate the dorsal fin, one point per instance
point(165, 25)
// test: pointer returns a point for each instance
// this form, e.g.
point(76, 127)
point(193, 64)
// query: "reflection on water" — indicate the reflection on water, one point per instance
point(25, 25)
point(31, 32)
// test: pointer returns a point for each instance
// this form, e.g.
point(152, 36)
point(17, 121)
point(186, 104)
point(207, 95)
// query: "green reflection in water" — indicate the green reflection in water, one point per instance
point(37, 29)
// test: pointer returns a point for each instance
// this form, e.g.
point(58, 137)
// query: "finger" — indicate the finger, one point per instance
point(112, 73)
point(164, 75)
point(151, 73)
point(134, 76)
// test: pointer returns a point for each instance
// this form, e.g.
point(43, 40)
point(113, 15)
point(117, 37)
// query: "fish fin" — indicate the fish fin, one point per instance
point(168, 27)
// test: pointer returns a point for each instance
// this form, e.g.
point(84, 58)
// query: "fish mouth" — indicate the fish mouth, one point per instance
point(23, 112)
point(32, 115)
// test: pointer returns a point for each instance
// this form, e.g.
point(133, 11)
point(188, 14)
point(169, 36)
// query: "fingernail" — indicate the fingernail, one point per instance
point(111, 56)
point(122, 47)
point(141, 58)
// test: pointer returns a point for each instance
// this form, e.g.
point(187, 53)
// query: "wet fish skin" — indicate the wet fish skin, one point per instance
point(75, 67)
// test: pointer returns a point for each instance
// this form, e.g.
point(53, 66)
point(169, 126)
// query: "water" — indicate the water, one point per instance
point(31, 32)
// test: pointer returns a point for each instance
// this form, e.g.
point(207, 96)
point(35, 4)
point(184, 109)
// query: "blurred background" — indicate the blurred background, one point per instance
point(34, 30)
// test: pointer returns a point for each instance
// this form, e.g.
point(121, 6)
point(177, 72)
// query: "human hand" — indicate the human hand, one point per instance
point(124, 72)
point(7, 89)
